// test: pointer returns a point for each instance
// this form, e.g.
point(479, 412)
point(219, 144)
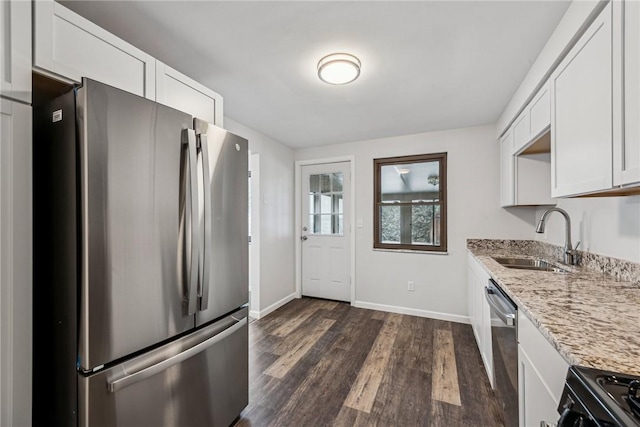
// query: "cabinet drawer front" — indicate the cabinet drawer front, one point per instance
point(546, 360)
point(73, 47)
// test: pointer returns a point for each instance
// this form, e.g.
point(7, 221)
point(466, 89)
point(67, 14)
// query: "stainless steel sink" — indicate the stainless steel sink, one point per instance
point(529, 264)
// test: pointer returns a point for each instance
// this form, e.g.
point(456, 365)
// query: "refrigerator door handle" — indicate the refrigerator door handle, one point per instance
point(189, 138)
point(135, 377)
point(204, 293)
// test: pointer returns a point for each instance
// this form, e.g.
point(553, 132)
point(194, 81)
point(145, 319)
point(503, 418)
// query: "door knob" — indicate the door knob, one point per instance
point(303, 238)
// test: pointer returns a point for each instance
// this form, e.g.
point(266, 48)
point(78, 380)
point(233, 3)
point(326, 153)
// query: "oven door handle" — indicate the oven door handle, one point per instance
point(502, 308)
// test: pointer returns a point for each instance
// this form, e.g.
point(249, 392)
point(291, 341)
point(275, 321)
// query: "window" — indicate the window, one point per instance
point(326, 210)
point(410, 209)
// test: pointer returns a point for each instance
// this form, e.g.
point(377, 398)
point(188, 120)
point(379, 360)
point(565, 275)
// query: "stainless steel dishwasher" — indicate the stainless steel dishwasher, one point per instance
point(504, 338)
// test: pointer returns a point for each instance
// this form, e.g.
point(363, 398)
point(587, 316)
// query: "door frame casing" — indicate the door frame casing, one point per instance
point(298, 220)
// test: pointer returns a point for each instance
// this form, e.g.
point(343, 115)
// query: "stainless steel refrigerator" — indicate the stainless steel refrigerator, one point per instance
point(140, 264)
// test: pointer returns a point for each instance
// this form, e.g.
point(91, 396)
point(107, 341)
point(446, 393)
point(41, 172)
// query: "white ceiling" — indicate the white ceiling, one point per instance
point(426, 65)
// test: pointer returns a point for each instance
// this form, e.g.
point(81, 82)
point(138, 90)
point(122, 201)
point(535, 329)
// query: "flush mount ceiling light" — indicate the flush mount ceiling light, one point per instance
point(339, 68)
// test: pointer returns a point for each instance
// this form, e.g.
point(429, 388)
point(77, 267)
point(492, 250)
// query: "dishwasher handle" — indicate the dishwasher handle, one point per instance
point(504, 308)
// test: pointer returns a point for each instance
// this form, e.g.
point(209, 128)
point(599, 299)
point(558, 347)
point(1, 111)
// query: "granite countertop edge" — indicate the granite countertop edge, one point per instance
point(615, 355)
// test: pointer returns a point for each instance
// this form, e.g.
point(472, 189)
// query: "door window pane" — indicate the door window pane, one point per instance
point(326, 207)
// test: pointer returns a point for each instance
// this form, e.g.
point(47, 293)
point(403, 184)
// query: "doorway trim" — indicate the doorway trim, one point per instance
point(298, 223)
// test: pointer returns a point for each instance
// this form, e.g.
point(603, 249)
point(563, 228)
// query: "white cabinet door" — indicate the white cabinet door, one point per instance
point(540, 113)
point(627, 145)
point(521, 130)
point(70, 46)
point(185, 94)
point(541, 375)
point(507, 169)
point(581, 119)
point(15, 50)
point(480, 313)
point(535, 403)
point(15, 263)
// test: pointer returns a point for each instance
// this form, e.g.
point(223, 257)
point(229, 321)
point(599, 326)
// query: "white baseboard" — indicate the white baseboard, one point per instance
point(273, 307)
point(413, 312)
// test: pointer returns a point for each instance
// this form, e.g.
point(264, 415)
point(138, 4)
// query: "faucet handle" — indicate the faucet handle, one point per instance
point(577, 244)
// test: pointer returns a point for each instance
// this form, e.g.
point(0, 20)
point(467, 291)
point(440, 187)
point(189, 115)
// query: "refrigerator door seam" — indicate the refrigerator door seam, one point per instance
point(189, 138)
point(204, 296)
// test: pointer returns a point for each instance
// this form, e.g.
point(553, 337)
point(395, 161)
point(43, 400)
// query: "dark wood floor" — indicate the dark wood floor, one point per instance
point(323, 363)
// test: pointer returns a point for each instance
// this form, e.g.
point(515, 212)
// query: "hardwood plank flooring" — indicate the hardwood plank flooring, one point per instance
point(322, 363)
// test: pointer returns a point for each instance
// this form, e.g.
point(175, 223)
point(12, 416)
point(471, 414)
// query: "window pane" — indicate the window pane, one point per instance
point(325, 204)
point(314, 183)
point(411, 181)
point(325, 183)
point(337, 203)
point(422, 225)
point(338, 224)
point(390, 224)
point(325, 224)
point(336, 182)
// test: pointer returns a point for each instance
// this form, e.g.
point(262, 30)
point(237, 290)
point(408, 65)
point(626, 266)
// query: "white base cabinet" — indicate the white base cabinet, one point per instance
point(480, 313)
point(15, 263)
point(68, 45)
point(541, 375)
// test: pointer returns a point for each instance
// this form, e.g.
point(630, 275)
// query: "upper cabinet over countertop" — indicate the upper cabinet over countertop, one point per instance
point(581, 122)
point(594, 93)
point(524, 156)
point(626, 143)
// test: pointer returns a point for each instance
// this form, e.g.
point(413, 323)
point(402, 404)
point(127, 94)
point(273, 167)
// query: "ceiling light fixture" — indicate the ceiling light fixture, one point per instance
point(338, 68)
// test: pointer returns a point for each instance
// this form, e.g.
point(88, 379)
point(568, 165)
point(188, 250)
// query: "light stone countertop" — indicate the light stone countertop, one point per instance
point(591, 317)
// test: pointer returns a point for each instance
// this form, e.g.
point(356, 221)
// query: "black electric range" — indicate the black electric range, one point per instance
point(595, 398)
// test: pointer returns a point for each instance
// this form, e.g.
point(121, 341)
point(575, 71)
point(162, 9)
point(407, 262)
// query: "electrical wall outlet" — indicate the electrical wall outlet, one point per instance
point(410, 286)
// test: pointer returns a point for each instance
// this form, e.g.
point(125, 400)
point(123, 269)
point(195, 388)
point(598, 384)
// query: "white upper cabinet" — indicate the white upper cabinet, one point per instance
point(507, 169)
point(534, 120)
point(185, 94)
point(581, 113)
point(15, 50)
point(525, 162)
point(540, 113)
point(626, 148)
point(70, 46)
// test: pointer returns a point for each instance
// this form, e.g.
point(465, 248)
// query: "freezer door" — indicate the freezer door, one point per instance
point(224, 271)
point(198, 380)
point(132, 196)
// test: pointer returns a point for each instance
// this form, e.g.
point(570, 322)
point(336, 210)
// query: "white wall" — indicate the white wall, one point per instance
point(605, 225)
point(276, 214)
point(473, 212)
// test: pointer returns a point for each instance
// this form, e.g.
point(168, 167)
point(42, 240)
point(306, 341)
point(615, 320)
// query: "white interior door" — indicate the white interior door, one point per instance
point(326, 227)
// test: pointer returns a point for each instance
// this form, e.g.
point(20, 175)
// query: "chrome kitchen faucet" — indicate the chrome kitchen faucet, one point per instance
point(570, 253)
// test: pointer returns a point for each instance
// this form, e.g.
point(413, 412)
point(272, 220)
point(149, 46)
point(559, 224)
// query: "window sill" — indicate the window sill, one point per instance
point(409, 251)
